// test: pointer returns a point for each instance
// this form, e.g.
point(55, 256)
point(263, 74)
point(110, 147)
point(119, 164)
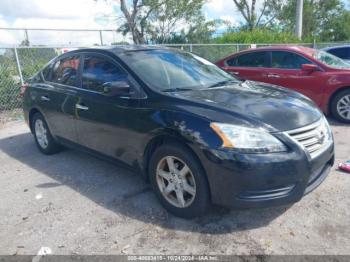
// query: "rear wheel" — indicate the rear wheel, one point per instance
point(179, 181)
point(340, 106)
point(42, 135)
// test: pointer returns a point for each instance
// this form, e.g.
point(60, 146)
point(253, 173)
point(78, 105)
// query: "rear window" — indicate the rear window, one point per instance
point(254, 59)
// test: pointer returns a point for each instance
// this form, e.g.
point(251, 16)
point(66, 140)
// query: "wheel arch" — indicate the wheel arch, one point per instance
point(162, 139)
point(330, 100)
point(31, 113)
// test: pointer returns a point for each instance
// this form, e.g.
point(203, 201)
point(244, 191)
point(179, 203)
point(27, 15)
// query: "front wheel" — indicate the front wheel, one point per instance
point(340, 106)
point(179, 181)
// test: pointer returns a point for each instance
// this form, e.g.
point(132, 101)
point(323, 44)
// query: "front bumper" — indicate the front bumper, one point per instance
point(264, 180)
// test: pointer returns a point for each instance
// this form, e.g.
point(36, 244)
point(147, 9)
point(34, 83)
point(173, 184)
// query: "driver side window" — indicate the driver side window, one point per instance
point(98, 71)
point(287, 60)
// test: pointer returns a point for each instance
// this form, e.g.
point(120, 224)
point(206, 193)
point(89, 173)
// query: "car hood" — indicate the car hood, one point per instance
point(278, 108)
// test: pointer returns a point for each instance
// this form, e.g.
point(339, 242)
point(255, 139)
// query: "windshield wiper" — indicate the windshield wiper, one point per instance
point(222, 83)
point(176, 89)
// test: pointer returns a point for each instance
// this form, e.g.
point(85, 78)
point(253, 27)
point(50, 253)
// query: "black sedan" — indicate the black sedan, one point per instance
point(196, 133)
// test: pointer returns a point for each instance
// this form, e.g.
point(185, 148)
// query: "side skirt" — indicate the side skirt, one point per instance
point(94, 153)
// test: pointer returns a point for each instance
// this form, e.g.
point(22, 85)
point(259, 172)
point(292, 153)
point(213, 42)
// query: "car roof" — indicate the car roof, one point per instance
point(335, 47)
point(293, 48)
point(118, 49)
point(297, 48)
point(128, 48)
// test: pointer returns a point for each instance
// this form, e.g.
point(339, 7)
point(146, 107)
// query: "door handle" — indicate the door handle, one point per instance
point(45, 98)
point(273, 75)
point(81, 107)
point(234, 73)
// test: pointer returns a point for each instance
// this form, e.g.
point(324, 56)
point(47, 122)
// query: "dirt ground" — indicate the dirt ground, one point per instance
point(72, 203)
point(10, 115)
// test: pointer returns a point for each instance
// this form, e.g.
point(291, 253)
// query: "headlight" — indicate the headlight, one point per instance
point(247, 139)
point(326, 129)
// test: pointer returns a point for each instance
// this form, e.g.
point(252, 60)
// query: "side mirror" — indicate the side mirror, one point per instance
point(116, 88)
point(309, 68)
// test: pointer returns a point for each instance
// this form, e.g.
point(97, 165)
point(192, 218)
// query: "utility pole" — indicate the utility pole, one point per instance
point(299, 19)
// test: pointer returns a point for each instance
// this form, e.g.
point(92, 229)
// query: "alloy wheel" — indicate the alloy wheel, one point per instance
point(176, 181)
point(41, 133)
point(343, 107)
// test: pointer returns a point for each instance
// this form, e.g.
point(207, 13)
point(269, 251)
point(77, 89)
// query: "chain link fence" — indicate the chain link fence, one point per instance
point(16, 66)
point(20, 63)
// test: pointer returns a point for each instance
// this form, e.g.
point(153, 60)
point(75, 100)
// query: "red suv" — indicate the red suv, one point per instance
point(319, 75)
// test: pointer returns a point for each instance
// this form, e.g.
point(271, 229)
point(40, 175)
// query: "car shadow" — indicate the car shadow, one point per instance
point(123, 191)
point(334, 122)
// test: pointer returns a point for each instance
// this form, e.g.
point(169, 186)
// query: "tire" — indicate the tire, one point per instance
point(42, 136)
point(195, 203)
point(340, 106)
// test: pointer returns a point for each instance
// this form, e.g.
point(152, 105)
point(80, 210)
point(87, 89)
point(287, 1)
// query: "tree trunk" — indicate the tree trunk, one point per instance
point(137, 36)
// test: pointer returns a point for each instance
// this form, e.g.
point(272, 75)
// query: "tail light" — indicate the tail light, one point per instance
point(23, 89)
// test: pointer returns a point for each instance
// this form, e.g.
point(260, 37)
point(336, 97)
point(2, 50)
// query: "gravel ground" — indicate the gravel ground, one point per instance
point(10, 115)
point(72, 203)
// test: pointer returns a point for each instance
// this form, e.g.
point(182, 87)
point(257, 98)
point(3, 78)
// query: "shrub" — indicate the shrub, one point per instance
point(257, 36)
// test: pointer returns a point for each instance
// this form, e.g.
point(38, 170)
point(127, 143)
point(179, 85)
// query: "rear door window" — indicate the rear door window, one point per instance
point(287, 60)
point(65, 71)
point(98, 70)
point(253, 59)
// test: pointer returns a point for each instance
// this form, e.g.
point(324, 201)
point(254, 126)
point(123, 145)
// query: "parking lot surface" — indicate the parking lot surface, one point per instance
point(72, 203)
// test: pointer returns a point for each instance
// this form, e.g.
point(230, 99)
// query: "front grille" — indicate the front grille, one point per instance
point(314, 138)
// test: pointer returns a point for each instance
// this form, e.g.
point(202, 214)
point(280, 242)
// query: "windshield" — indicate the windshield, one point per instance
point(330, 60)
point(168, 70)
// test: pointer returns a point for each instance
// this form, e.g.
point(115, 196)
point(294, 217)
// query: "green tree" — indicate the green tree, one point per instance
point(136, 14)
point(261, 35)
point(200, 31)
point(257, 18)
point(324, 20)
point(161, 21)
point(172, 14)
point(337, 29)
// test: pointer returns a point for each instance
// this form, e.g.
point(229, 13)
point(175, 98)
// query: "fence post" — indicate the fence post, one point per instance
point(19, 67)
point(101, 39)
point(191, 48)
point(26, 37)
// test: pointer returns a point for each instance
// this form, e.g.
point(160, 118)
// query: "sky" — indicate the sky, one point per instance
point(83, 14)
point(78, 14)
